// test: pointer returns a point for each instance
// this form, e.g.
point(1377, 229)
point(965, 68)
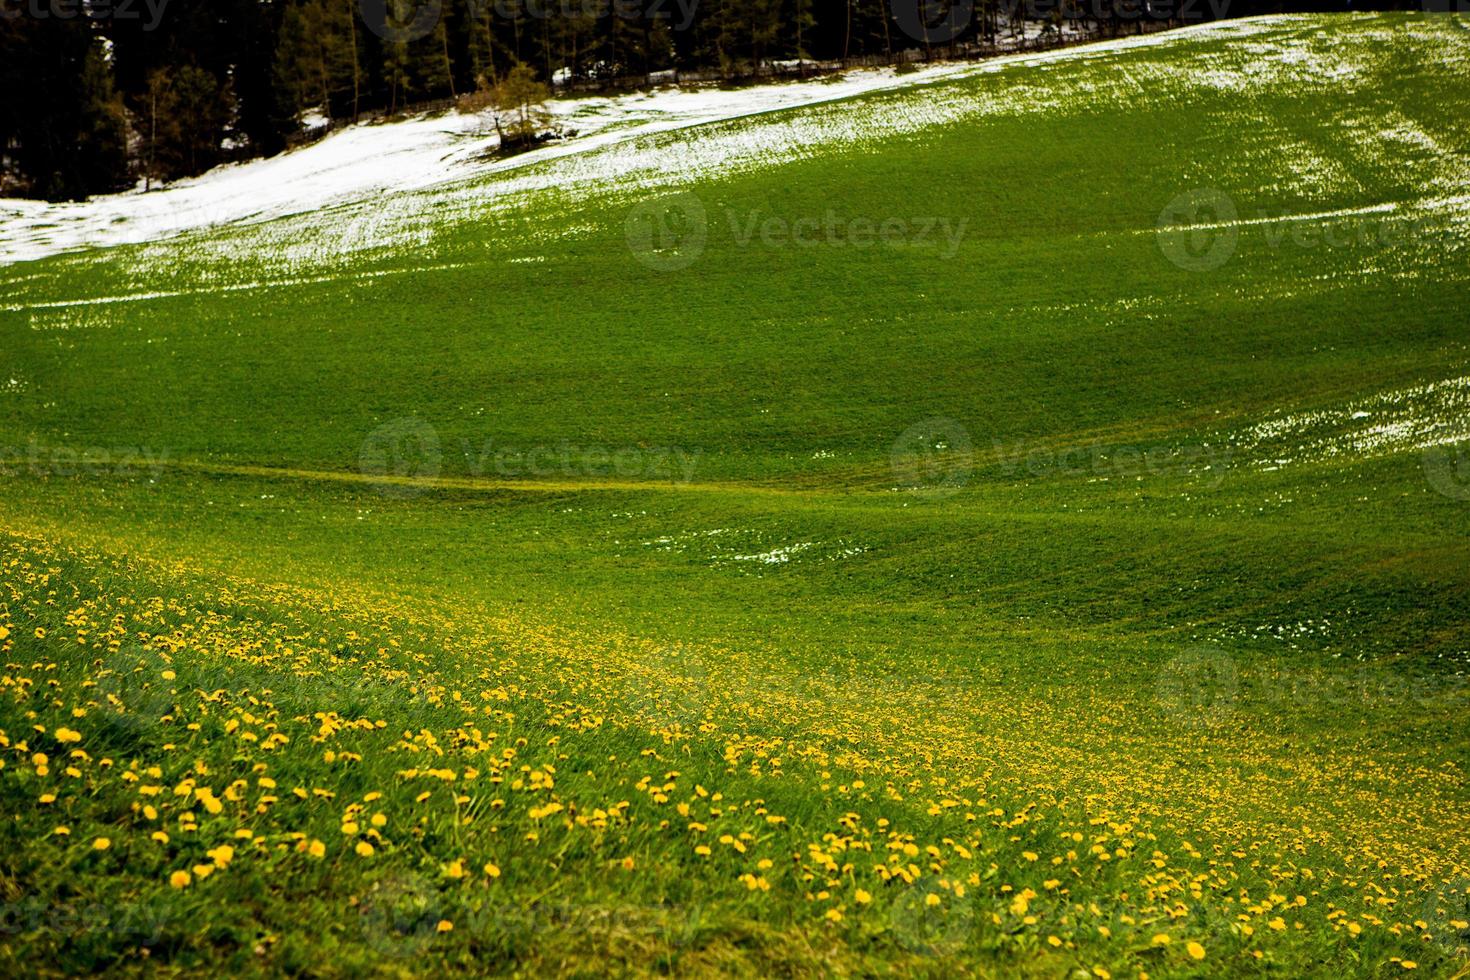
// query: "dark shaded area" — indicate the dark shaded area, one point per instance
point(101, 93)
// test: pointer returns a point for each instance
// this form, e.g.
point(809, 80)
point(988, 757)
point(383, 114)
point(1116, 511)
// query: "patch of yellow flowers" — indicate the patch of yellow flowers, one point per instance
point(230, 740)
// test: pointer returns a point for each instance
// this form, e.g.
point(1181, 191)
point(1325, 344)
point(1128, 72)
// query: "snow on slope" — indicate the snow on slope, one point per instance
point(368, 160)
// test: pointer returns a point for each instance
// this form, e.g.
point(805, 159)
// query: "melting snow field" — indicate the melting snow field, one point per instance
point(1405, 420)
point(366, 161)
point(418, 153)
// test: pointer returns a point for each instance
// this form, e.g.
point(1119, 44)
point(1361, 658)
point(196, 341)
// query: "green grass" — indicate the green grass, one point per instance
point(1178, 595)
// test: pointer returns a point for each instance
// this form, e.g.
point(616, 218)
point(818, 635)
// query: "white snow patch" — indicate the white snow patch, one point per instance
point(776, 556)
point(367, 161)
point(1407, 419)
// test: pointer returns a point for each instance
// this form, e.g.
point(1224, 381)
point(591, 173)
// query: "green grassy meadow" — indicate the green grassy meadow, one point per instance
point(1013, 525)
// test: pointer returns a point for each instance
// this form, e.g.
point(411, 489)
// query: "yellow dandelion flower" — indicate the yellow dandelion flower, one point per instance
point(169, 675)
point(862, 897)
point(62, 831)
point(202, 871)
point(66, 735)
point(101, 844)
point(1195, 950)
point(179, 879)
point(454, 869)
point(931, 899)
point(1162, 939)
point(222, 855)
point(834, 915)
point(379, 820)
point(316, 849)
point(1409, 965)
point(364, 849)
point(492, 869)
point(444, 926)
point(627, 864)
point(48, 797)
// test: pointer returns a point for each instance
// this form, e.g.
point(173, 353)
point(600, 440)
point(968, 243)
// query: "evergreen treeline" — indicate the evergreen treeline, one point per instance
point(102, 92)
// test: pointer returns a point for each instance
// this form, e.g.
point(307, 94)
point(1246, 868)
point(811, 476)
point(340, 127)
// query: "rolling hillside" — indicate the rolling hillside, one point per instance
point(1013, 520)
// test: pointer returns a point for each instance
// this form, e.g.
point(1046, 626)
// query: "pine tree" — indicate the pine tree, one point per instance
point(181, 118)
point(317, 62)
point(430, 69)
point(156, 124)
point(66, 137)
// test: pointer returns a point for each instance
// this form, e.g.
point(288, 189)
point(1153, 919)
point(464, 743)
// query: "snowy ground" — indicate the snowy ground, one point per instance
point(368, 160)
